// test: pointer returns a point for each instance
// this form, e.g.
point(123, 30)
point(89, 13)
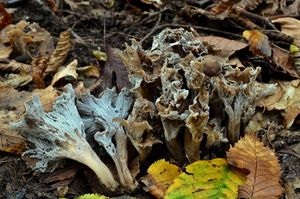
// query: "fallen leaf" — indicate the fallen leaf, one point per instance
point(39, 66)
point(60, 53)
point(115, 72)
point(160, 176)
point(206, 179)
point(5, 51)
point(292, 9)
point(286, 99)
point(7, 65)
point(283, 60)
point(11, 108)
point(156, 3)
point(5, 17)
point(5, 32)
point(99, 55)
point(291, 27)
point(16, 80)
point(295, 54)
point(29, 39)
point(263, 180)
point(258, 42)
point(89, 71)
point(291, 187)
point(74, 5)
point(92, 196)
point(68, 71)
point(227, 46)
point(62, 174)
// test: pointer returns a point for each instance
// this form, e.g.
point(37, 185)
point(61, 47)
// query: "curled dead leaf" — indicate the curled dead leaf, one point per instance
point(286, 99)
point(7, 65)
point(59, 54)
point(156, 3)
point(89, 71)
point(39, 66)
point(68, 71)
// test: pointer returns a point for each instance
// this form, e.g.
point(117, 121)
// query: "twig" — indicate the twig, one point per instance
point(150, 16)
point(201, 28)
point(153, 29)
point(290, 152)
point(258, 18)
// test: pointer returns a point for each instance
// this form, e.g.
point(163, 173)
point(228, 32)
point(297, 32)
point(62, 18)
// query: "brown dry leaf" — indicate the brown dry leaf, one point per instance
point(114, 70)
point(16, 80)
point(5, 17)
point(263, 179)
point(5, 51)
point(39, 66)
point(18, 28)
point(283, 60)
point(285, 99)
point(227, 46)
point(259, 42)
point(160, 176)
point(290, 27)
point(89, 71)
point(11, 108)
point(68, 71)
point(33, 40)
point(59, 54)
point(223, 7)
point(7, 65)
point(74, 5)
point(156, 3)
point(291, 9)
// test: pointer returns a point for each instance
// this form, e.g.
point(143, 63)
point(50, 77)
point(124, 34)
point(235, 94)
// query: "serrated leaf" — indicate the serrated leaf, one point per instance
point(160, 176)
point(263, 180)
point(206, 179)
point(58, 56)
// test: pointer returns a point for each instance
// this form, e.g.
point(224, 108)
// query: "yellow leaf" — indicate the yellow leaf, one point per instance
point(258, 42)
point(160, 176)
point(206, 179)
point(92, 196)
point(261, 162)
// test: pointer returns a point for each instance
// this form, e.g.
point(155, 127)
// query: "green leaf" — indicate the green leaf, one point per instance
point(206, 179)
point(92, 196)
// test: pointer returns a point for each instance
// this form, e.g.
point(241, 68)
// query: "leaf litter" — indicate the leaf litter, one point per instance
point(185, 82)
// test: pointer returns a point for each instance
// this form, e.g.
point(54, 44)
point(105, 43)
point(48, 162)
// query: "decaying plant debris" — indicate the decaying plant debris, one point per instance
point(183, 81)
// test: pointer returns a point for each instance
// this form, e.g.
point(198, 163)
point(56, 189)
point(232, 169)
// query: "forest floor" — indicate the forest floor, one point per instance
point(96, 24)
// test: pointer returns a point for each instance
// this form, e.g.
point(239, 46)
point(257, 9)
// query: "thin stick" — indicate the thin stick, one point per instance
point(153, 29)
point(258, 18)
